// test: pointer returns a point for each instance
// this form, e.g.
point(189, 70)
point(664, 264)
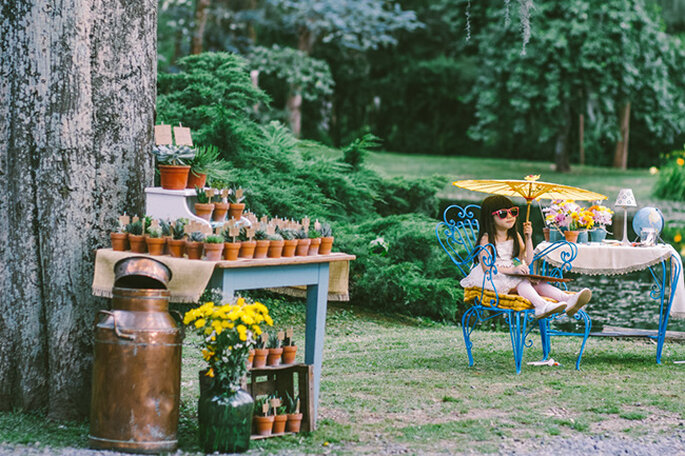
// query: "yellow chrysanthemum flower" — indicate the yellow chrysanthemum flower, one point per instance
point(210, 373)
point(680, 161)
point(677, 238)
point(200, 323)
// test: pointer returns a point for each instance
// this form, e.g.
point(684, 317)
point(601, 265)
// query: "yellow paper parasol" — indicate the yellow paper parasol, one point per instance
point(529, 188)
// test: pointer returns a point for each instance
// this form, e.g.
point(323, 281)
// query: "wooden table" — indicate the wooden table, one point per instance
point(312, 271)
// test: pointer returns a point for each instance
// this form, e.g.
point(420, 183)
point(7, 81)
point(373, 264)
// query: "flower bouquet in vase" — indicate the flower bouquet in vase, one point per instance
point(602, 218)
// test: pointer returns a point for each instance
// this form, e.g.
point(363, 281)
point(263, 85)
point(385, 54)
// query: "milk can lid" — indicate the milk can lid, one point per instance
point(141, 272)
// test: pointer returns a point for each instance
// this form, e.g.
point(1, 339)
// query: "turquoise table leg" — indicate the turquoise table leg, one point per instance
point(317, 302)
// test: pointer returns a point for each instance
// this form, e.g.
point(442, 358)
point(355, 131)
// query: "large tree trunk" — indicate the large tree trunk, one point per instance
point(196, 41)
point(562, 142)
point(293, 103)
point(621, 152)
point(77, 99)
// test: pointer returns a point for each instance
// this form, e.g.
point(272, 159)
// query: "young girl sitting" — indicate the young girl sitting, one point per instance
point(498, 227)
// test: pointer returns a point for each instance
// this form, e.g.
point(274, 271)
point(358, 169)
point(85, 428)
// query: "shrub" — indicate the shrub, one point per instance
point(671, 182)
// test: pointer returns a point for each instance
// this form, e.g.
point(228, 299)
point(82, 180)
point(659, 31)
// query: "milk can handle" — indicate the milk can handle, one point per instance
point(116, 329)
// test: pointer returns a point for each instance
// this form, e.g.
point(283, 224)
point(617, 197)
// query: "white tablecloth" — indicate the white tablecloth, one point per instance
point(613, 259)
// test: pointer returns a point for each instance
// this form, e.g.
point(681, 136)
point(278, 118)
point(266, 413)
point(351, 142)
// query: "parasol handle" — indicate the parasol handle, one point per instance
point(528, 210)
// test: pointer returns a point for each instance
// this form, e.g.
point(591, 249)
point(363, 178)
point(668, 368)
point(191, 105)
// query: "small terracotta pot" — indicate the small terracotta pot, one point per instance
point(545, 233)
point(236, 210)
point(302, 247)
point(137, 242)
point(314, 246)
point(264, 424)
point(194, 250)
point(155, 246)
point(571, 236)
point(247, 249)
point(231, 250)
point(176, 247)
point(289, 352)
point(262, 249)
point(276, 248)
point(279, 424)
point(173, 177)
point(274, 358)
point(213, 251)
point(204, 210)
point(289, 247)
point(294, 422)
point(250, 358)
point(326, 245)
point(219, 213)
point(260, 355)
point(119, 241)
point(196, 180)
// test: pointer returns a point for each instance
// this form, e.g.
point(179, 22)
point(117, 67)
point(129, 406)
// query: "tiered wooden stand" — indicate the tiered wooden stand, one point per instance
point(296, 379)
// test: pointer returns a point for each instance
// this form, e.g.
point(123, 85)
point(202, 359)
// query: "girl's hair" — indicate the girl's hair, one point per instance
point(487, 221)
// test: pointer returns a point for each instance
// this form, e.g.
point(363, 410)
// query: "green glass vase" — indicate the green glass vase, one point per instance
point(225, 420)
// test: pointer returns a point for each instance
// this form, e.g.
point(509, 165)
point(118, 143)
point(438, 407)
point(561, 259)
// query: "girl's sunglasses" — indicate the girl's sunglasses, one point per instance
point(513, 211)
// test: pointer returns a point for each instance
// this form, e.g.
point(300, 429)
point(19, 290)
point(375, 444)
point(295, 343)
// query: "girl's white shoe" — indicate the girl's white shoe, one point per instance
point(577, 301)
point(549, 309)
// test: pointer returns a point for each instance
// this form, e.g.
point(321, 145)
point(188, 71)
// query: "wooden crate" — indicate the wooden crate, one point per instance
point(281, 379)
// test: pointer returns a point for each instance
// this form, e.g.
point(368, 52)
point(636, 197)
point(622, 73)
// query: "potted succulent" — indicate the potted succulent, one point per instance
point(292, 407)
point(315, 236)
point(214, 247)
point(263, 419)
point(289, 348)
point(280, 418)
point(262, 244)
point(200, 164)
point(194, 245)
point(155, 241)
point(203, 208)
point(231, 246)
point(226, 334)
point(236, 197)
point(303, 243)
point(326, 239)
point(220, 207)
point(260, 352)
point(276, 243)
point(172, 163)
point(247, 245)
point(289, 242)
point(275, 350)
point(176, 242)
point(136, 238)
point(119, 238)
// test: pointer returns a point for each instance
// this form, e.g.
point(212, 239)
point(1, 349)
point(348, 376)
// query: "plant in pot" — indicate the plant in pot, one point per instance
point(226, 334)
point(292, 407)
point(176, 242)
point(214, 247)
point(247, 244)
point(276, 244)
point(203, 208)
point(280, 415)
point(602, 218)
point(194, 245)
point(136, 238)
point(205, 157)
point(275, 350)
point(231, 245)
point(260, 351)
point(586, 222)
point(263, 242)
point(263, 418)
point(155, 241)
point(315, 237)
point(289, 347)
point(119, 238)
point(326, 239)
point(172, 163)
point(289, 242)
point(236, 197)
point(220, 204)
point(303, 243)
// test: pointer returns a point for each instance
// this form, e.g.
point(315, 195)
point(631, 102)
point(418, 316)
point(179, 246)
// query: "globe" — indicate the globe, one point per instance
point(648, 217)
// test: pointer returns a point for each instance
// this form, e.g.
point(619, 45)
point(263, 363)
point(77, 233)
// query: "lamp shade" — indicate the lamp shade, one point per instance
point(625, 198)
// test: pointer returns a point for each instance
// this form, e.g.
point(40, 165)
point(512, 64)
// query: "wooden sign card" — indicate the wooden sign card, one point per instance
point(289, 333)
point(154, 225)
point(305, 224)
point(123, 221)
point(249, 232)
point(264, 220)
point(224, 193)
point(270, 229)
point(281, 335)
point(317, 225)
point(182, 136)
point(163, 135)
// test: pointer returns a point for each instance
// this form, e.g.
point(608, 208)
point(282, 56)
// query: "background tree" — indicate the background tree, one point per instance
point(77, 91)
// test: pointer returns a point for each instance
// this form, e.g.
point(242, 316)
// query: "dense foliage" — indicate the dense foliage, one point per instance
point(671, 182)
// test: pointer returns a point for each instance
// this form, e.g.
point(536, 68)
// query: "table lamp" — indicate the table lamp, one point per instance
point(625, 199)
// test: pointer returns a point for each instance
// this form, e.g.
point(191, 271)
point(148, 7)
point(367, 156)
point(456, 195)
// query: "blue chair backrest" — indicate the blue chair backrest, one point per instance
point(457, 234)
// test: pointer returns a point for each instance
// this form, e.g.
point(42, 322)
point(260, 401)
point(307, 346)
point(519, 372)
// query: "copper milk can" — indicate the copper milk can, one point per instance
point(136, 372)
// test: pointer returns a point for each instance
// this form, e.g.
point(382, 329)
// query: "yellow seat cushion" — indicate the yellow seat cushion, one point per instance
point(506, 301)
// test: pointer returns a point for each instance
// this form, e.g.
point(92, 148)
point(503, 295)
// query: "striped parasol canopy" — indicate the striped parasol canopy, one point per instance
point(530, 189)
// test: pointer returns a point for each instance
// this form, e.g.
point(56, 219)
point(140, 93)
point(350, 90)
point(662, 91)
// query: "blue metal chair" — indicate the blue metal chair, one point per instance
point(457, 234)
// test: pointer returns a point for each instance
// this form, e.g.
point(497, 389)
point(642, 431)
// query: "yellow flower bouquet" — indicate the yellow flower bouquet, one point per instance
point(228, 332)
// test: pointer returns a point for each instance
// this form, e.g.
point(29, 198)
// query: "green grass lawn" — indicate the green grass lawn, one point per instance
point(392, 382)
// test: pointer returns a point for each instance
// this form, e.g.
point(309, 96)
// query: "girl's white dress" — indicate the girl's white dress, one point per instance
point(503, 282)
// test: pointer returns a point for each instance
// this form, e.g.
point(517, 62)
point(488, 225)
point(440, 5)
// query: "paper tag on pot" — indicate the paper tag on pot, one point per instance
point(224, 193)
point(135, 219)
point(233, 230)
point(182, 135)
point(209, 192)
point(289, 333)
point(124, 220)
point(218, 230)
point(275, 402)
point(265, 338)
point(297, 407)
point(154, 224)
point(305, 224)
point(239, 194)
point(317, 225)
point(281, 335)
point(163, 134)
point(249, 232)
point(270, 229)
point(265, 408)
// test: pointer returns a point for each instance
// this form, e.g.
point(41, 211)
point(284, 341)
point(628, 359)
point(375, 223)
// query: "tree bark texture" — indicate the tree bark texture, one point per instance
point(196, 42)
point(562, 142)
point(621, 152)
point(77, 100)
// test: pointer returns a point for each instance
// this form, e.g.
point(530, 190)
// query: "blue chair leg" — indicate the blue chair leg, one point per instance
point(467, 328)
point(586, 334)
point(543, 323)
point(517, 331)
